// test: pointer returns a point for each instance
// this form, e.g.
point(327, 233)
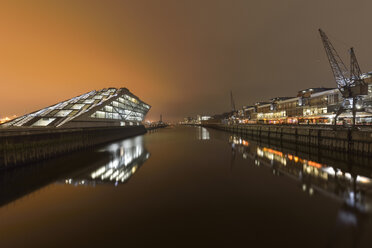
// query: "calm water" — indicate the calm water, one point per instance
point(189, 186)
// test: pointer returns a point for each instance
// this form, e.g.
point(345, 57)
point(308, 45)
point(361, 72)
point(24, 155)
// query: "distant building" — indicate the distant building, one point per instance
point(107, 107)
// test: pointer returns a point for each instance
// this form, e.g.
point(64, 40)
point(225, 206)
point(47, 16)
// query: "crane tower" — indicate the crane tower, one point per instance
point(349, 82)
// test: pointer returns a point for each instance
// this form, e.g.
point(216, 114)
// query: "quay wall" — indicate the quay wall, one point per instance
point(25, 145)
point(345, 140)
point(156, 127)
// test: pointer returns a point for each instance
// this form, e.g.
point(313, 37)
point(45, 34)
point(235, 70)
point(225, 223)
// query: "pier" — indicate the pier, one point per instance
point(345, 140)
point(21, 146)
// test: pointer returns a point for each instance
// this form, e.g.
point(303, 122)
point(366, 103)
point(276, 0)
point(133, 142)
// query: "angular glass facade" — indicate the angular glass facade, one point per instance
point(123, 108)
point(107, 107)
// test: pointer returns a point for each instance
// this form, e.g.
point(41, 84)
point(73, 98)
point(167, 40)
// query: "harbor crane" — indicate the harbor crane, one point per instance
point(350, 83)
point(232, 102)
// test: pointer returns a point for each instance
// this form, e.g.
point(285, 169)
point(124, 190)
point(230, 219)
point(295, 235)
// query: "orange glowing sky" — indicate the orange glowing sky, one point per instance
point(181, 57)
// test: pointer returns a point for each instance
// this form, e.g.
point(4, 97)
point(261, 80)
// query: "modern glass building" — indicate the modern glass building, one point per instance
point(107, 107)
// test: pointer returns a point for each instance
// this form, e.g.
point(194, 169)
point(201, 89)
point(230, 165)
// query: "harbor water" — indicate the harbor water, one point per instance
point(189, 187)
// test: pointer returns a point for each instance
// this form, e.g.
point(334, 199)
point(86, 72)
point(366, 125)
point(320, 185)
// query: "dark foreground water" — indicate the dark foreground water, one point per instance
point(192, 187)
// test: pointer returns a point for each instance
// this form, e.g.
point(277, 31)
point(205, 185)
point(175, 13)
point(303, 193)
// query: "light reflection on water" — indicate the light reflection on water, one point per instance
point(126, 157)
point(352, 188)
point(267, 189)
point(203, 133)
point(112, 164)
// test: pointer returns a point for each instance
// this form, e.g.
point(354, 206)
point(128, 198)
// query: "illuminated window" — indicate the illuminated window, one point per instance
point(89, 101)
point(77, 106)
point(109, 109)
point(43, 122)
point(98, 114)
point(62, 113)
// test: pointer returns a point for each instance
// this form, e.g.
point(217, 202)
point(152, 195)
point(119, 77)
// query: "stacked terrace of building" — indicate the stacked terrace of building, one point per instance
point(91, 119)
point(105, 108)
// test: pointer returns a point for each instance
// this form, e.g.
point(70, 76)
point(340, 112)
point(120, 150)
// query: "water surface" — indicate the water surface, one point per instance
point(189, 186)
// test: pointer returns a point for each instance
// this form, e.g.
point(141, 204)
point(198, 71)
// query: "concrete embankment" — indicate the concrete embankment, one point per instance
point(345, 140)
point(25, 145)
point(156, 127)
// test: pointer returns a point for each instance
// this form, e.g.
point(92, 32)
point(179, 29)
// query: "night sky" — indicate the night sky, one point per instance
point(181, 57)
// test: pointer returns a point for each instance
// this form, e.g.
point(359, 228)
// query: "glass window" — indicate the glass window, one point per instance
point(62, 113)
point(98, 114)
point(77, 106)
point(109, 109)
point(89, 101)
point(43, 122)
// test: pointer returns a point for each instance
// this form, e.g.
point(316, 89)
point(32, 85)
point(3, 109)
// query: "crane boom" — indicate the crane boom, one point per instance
point(351, 84)
point(338, 67)
point(355, 71)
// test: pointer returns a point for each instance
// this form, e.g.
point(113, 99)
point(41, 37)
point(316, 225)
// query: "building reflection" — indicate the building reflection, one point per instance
point(113, 164)
point(351, 185)
point(203, 133)
point(126, 158)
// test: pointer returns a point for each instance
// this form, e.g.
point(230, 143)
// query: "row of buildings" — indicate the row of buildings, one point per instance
point(310, 106)
point(195, 121)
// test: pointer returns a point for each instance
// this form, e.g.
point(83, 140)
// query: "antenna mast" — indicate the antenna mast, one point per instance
point(232, 102)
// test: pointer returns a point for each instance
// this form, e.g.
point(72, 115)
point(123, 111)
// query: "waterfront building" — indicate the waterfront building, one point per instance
point(318, 105)
point(310, 106)
point(249, 114)
point(106, 107)
point(201, 118)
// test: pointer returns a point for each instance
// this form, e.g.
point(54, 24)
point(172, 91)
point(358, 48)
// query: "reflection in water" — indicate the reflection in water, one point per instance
point(352, 188)
point(203, 133)
point(347, 186)
point(126, 157)
point(115, 163)
point(323, 201)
